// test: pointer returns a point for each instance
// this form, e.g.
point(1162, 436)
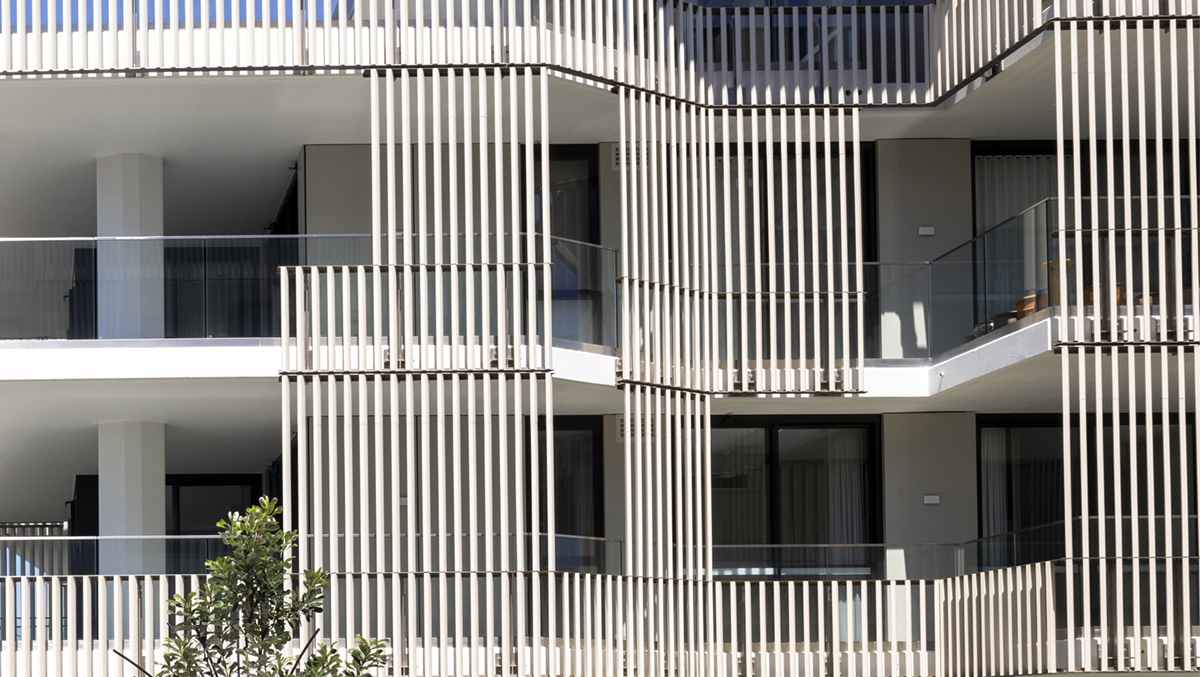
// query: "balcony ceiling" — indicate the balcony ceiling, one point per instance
point(213, 425)
point(227, 143)
point(1018, 103)
point(232, 424)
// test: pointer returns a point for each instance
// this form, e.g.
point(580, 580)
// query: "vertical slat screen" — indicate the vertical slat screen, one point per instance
point(1122, 260)
point(787, 247)
point(814, 55)
point(664, 161)
point(667, 586)
point(422, 397)
point(999, 622)
point(666, 381)
point(850, 628)
point(862, 55)
point(77, 624)
point(418, 384)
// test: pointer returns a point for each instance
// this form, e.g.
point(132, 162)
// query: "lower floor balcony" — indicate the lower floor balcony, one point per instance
point(1067, 615)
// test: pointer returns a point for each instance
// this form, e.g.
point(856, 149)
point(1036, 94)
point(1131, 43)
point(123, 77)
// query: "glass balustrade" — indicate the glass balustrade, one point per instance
point(218, 287)
point(834, 562)
point(889, 561)
point(1014, 271)
point(993, 280)
point(898, 296)
point(435, 552)
point(228, 287)
point(108, 555)
point(184, 555)
point(584, 295)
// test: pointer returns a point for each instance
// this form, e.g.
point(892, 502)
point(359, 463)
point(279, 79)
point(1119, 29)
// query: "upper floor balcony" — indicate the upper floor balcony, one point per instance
point(877, 52)
point(1128, 277)
point(229, 287)
point(856, 52)
point(823, 50)
point(1110, 283)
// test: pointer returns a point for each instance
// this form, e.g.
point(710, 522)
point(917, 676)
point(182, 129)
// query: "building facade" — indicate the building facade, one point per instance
point(609, 337)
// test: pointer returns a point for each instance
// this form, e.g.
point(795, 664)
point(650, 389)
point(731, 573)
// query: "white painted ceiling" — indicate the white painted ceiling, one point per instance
point(48, 428)
point(48, 432)
point(227, 143)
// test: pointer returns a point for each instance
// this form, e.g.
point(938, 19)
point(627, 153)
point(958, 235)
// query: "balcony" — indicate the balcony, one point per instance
point(187, 555)
point(891, 561)
point(1009, 276)
point(219, 287)
point(1006, 278)
point(1048, 614)
point(1026, 620)
point(115, 555)
point(875, 52)
point(228, 287)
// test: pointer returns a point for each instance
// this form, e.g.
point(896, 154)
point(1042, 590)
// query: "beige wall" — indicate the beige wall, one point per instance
point(337, 195)
point(923, 182)
point(337, 189)
point(929, 454)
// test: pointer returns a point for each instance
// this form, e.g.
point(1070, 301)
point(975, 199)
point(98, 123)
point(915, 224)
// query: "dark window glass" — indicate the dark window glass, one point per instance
point(201, 507)
point(571, 198)
point(825, 485)
point(740, 486)
point(576, 459)
point(1020, 494)
point(1020, 478)
point(578, 476)
point(794, 485)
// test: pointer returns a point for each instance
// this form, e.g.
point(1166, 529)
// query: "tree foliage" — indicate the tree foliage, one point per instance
point(245, 616)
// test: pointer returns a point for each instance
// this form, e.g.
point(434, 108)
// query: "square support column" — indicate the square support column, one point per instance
point(132, 495)
point(129, 273)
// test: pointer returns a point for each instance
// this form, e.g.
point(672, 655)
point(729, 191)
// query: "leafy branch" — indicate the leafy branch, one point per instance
point(243, 619)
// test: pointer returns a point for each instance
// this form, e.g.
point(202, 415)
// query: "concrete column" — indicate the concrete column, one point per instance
point(929, 487)
point(925, 210)
point(129, 285)
point(132, 494)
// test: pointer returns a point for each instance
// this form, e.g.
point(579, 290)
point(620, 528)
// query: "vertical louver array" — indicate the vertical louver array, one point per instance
point(665, 250)
point(1122, 8)
point(1121, 270)
point(419, 389)
point(666, 377)
point(815, 55)
point(966, 36)
point(787, 248)
point(668, 589)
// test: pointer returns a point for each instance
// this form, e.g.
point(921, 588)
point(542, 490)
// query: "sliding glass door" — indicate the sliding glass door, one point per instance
point(788, 496)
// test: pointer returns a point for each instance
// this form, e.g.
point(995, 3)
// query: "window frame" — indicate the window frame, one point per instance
point(774, 424)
